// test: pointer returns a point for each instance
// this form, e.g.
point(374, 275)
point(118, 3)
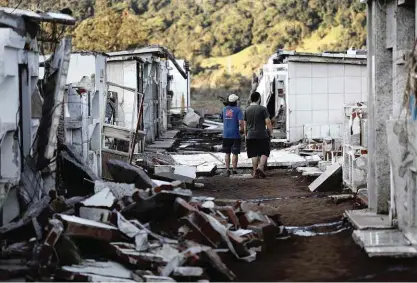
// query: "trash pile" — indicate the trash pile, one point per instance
point(134, 229)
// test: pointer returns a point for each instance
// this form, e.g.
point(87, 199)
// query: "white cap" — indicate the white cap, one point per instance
point(233, 98)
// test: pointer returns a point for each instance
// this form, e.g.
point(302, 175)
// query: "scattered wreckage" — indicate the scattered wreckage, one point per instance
point(134, 229)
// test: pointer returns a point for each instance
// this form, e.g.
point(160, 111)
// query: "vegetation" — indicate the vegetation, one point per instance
point(225, 40)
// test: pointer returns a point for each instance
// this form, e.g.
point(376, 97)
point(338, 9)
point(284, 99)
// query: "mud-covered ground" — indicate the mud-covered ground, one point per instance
point(317, 258)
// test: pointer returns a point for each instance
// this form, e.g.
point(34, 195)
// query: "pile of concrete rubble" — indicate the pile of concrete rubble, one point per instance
point(135, 229)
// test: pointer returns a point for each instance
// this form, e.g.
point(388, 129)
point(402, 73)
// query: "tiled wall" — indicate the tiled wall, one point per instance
point(318, 92)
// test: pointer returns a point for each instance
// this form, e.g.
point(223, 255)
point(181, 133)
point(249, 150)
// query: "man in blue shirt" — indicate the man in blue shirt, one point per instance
point(232, 119)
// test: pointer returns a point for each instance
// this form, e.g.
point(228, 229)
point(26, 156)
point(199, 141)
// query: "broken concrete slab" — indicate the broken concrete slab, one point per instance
point(104, 198)
point(205, 163)
point(54, 86)
point(80, 227)
point(323, 165)
point(165, 144)
point(126, 173)
point(95, 214)
point(192, 120)
point(109, 269)
point(365, 219)
point(119, 190)
point(380, 238)
point(384, 243)
point(129, 255)
point(329, 180)
point(182, 173)
point(277, 158)
point(398, 252)
point(154, 278)
point(188, 271)
point(310, 171)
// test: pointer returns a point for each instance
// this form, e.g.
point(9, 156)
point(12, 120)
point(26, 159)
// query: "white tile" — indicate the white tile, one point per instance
point(292, 119)
point(292, 69)
point(319, 70)
point(364, 82)
point(336, 131)
point(303, 70)
point(353, 70)
point(317, 132)
point(296, 134)
point(308, 131)
point(325, 131)
point(352, 98)
point(311, 131)
point(292, 99)
point(320, 117)
point(303, 86)
point(320, 102)
point(303, 102)
point(336, 101)
point(353, 85)
point(319, 85)
point(336, 70)
point(336, 85)
point(335, 116)
point(303, 118)
point(292, 90)
point(364, 70)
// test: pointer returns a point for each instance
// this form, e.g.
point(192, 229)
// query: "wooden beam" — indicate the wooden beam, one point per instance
point(118, 132)
point(124, 87)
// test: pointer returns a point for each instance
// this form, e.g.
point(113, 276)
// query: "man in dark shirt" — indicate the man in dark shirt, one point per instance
point(232, 119)
point(258, 129)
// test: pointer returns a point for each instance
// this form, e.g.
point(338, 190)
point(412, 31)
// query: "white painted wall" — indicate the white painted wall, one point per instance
point(80, 66)
point(317, 93)
point(178, 86)
point(124, 73)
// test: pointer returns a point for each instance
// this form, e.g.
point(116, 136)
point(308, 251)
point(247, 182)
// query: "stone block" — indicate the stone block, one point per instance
point(331, 179)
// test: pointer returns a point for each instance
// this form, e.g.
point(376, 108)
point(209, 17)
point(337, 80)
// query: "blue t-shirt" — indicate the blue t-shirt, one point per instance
point(231, 116)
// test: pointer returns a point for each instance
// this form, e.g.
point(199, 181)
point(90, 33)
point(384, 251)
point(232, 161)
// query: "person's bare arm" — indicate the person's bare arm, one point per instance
point(245, 128)
point(269, 125)
point(242, 126)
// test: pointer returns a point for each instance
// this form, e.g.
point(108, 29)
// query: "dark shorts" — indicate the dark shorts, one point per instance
point(231, 146)
point(257, 147)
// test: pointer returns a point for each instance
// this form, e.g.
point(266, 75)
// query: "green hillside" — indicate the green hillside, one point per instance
point(225, 40)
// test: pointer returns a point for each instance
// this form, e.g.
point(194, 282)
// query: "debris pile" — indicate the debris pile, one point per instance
point(135, 229)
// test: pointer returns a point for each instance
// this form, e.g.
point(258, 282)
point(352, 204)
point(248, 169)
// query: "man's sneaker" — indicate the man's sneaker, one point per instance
point(255, 174)
point(227, 173)
point(234, 172)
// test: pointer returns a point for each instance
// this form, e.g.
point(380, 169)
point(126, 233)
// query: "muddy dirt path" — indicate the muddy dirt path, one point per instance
point(314, 258)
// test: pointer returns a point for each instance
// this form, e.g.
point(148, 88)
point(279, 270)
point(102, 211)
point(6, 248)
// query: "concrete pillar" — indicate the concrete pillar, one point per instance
point(404, 30)
point(380, 107)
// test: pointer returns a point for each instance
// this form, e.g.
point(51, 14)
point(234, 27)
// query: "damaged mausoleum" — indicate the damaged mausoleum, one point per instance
point(388, 226)
point(85, 194)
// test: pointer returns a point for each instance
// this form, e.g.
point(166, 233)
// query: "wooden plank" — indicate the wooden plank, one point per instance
point(118, 132)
